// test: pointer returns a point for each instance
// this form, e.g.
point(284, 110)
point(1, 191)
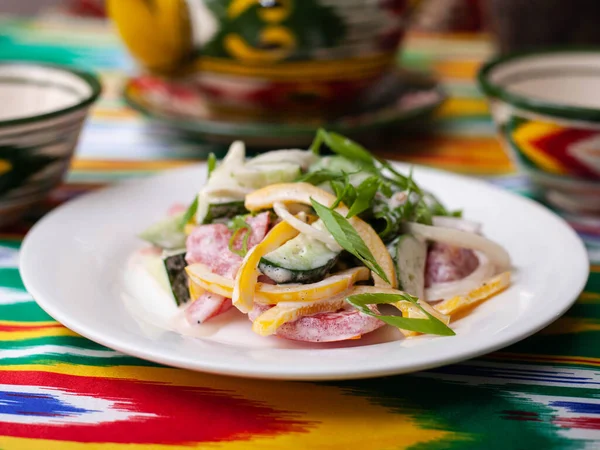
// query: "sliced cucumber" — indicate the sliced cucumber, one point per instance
point(257, 176)
point(167, 234)
point(174, 264)
point(300, 260)
point(336, 164)
point(210, 211)
point(410, 257)
point(341, 164)
point(155, 267)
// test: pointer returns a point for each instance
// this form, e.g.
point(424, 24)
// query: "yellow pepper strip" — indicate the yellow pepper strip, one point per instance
point(302, 193)
point(201, 276)
point(195, 290)
point(188, 228)
point(483, 292)
point(247, 276)
point(327, 288)
point(267, 294)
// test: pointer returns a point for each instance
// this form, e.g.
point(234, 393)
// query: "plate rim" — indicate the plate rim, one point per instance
point(255, 129)
point(71, 322)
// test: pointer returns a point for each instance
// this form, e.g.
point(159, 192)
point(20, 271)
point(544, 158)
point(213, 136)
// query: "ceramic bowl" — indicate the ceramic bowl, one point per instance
point(319, 58)
point(547, 109)
point(42, 110)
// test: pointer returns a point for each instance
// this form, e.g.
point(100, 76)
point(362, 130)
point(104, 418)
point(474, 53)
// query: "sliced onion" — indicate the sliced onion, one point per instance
point(221, 182)
point(304, 158)
point(454, 222)
point(497, 255)
point(305, 228)
point(443, 291)
point(230, 192)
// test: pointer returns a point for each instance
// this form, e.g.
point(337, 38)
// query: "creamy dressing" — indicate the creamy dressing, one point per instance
point(156, 313)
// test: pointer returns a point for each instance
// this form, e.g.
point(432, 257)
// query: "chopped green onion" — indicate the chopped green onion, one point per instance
point(239, 225)
point(189, 214)
point(211, 163)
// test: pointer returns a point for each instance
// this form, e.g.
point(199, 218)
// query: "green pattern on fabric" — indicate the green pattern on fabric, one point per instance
point(476, 413)
point(28, 312)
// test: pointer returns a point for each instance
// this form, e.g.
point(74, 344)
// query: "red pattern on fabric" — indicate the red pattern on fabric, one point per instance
point(175, 414)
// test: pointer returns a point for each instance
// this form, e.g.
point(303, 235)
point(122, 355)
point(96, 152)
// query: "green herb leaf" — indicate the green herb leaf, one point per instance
point(364, 196)
point(211, 163)
point(345, 192)
point(385, 188)
point(347, 237)
point(392, 224)
point(431, 325)
point(347, 148)
point(189, 213)
point(239, 225)
point(402, 181)
point(315, 146)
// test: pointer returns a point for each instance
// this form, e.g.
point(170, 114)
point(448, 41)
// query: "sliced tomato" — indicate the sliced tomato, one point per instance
point(209, 245)
point(207, 305)
point(324, 327)
point(448, 263)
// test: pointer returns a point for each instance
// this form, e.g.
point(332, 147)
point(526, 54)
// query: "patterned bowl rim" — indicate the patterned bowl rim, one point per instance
point(92, 81)
point(496, 90)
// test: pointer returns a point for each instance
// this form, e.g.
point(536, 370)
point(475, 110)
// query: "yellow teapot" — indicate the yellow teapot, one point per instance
point(268, 56)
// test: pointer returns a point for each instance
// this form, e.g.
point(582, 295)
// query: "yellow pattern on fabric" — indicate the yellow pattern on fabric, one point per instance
point(330, 410)
point(32, 334)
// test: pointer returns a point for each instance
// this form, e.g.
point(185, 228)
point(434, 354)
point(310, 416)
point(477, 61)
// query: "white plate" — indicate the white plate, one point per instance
point(74, 264)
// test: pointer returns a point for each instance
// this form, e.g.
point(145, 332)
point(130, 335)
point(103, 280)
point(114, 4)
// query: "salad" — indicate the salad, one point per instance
point(321, 248)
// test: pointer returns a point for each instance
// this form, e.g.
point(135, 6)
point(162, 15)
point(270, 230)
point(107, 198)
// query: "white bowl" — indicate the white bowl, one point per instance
point(42, 110)
point(547, 108)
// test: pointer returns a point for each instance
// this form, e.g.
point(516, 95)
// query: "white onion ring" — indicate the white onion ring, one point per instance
point(497, 255)
point(443, 291)
point(454, 222)
point(304, 227)
point(304, 158)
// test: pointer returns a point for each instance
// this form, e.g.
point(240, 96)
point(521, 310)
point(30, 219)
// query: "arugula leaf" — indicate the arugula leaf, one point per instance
point(391, 221)
point(344, 191)
point(431, 325)
point(239, 225)
point(385, 188)
point(347, 237)
point(402, 181)
point(364, 197)
point(436, 207)
point(189, 214)
point(420, 205)
point(211, 164)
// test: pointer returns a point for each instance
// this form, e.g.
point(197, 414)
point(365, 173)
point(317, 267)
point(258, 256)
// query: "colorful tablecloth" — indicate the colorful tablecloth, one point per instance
point(61, 391)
